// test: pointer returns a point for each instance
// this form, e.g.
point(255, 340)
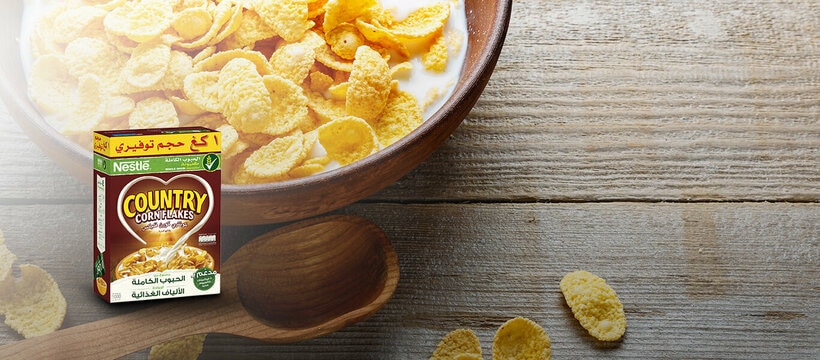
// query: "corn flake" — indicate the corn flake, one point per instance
point(94, 56)
point(218, 60)
point(435, 59)
point(251, 29)
point(49, 83)
point(289, 105)
point(344, 11)
point(186, 348)
point(595, 304)
point(140, 21)
point(90, 107)
point(348, 139)
point(370, 84)
point(274, 160)
point(32, 304)
point(153, 112)
point(6, 260)
point(344, 40)
point(192, 22)
point(401, 116)
point(147, 65)
point(288, 18)
point(458, 344)
point(521, 338)
point(77, 22)
point(423, 22)
point(202, 89)
point(243, 96)
point(293, 61)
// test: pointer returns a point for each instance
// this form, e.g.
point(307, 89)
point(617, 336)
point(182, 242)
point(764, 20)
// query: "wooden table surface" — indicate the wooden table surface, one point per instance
point(670, 147)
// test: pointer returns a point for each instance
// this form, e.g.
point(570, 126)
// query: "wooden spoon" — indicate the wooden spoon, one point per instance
point(294, 283)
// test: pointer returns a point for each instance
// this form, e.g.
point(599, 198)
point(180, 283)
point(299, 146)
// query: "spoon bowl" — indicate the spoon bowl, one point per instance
point(297, 282)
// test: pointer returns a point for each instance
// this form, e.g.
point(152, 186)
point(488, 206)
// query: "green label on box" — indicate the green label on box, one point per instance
point(144, 165)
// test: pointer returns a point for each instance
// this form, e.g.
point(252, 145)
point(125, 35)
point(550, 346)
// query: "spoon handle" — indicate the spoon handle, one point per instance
point(108, 338)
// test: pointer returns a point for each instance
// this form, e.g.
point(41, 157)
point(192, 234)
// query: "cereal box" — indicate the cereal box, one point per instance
point(156, 213)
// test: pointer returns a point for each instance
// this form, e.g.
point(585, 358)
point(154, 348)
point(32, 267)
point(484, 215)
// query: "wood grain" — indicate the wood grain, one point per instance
point(646, 101)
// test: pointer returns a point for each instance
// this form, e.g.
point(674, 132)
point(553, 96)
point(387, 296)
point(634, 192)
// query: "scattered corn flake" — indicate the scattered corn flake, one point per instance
point(435, 59)
point(521, 338)
point(595, 304)
point(153, 112)
point(467, 357)
point(140, 21)
point(293, 61)
point(370, 85)
point(458, 344)
point(49, 82)
point(192, 22)
point(401, 116)
point(245, 101)
point(32, 304)
point(348, 139)
point(274, 160)
point(185, 348)
point(289, 105)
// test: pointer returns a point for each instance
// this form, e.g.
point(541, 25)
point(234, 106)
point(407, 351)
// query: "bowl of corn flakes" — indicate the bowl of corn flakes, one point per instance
point(320, 102)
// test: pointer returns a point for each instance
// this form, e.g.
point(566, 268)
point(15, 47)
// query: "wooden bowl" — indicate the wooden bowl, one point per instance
point(487, 23)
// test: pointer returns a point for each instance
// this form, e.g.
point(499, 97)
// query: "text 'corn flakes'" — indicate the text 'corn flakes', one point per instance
point(261, 70)
point(595, 304)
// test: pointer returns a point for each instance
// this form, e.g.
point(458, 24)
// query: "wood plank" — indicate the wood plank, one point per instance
point(694, 101)
point(733, 280)
point(691, 101)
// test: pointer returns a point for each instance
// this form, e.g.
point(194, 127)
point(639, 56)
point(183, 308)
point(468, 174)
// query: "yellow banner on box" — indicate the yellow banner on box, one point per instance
point(128, 145)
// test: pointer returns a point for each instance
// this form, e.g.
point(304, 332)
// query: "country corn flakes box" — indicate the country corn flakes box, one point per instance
point(156, 213)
